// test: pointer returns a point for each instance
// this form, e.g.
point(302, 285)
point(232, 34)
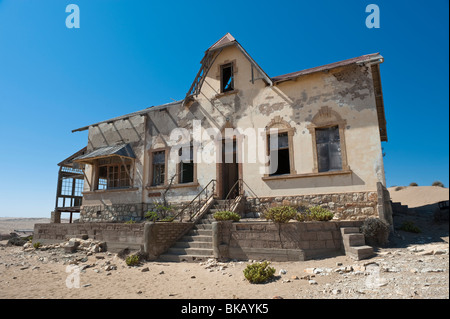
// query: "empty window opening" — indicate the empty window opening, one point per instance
point(159, 168)
point(227, 78)
point(328, 149)
point(186, 166)
point(279, 156)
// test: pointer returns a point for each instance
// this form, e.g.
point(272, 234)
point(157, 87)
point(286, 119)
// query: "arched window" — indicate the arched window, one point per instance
point(327, 129)
point(282, 152)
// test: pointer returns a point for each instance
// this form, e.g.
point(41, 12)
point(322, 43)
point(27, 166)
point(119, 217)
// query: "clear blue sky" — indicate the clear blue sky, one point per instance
point(131, 54)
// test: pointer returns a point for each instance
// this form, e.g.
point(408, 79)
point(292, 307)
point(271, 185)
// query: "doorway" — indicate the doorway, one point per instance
point(228, 170)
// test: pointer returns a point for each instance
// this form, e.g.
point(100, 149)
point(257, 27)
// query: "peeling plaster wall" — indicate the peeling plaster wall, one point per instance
point(119, 132)
point(345, 90)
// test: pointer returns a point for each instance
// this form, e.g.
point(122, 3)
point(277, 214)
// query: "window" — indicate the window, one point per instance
point(113, 173)
point(328, 149)
point(226, 78)
point(279, 156)
point(66, 186)
point(281, 153)
point(159, 168)
point(186, 168)
point(327, 130)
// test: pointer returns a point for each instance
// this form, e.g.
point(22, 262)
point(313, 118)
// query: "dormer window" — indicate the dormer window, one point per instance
point(226, 78)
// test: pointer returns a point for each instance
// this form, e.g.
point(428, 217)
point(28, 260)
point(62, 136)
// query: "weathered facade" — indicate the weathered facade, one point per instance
point(329, 125)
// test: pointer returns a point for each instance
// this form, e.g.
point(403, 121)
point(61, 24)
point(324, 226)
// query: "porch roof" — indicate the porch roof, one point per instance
point(122, 150)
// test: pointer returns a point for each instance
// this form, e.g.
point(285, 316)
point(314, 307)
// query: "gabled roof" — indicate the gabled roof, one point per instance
point(223, 41)
point(228, 40)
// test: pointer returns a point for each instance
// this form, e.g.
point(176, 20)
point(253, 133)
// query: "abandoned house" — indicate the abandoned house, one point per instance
point(327, 122)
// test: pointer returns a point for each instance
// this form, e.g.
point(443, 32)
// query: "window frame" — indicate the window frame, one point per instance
point(123, 167)
point(282, 127)
point(222, 84)
point(180, 164)
point(326, 118)
point(151, 173)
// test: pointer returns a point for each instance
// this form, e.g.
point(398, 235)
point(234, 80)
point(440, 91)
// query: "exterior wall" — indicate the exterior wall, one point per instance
point(151, 238)
point(345, 206)
point(293, 241)
point(345, 91)
point(116, 235)
point(159, 237)
point(125, 131)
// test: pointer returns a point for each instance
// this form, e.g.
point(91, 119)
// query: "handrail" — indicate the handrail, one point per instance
point(198, 206)
point(241, 183)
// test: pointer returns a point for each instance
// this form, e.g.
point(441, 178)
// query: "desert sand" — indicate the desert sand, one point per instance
point(419, 196)
point(413, 266)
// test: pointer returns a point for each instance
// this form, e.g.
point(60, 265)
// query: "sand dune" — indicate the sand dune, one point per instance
point(417, 196)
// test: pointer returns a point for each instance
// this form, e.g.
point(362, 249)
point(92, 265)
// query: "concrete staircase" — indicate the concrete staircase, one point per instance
point(197, 244)
point(354, 244)
point(399, 208)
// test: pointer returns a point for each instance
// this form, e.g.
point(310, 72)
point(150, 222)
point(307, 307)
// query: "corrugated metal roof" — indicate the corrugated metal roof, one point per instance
point(123, 150)
point(126, 116)
point(361, 59)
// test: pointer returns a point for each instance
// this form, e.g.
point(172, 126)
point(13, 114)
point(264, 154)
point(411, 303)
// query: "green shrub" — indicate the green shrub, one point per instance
point(437, 183)
point(280, 214)
point(151, 216)
point(413, 184)
point(315, 213)
point(160, 212)
point(36, 245)
point(132, 260)
point(376, 232)
point(130, 221)
point(410, 227)
point(259, 272)
point(319, 213)
point(226, 215)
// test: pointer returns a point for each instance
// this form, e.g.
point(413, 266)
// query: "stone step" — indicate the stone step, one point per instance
point(180, 258)
point(191, 251)
point(353, 239)
point(200, 231)
point(196, 238)
point(202, 226)
point(360, 252)
point(349, 230)
point(193, 244)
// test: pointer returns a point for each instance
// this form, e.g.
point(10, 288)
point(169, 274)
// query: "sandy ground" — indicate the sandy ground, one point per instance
point(9, 224)
point(413, 266)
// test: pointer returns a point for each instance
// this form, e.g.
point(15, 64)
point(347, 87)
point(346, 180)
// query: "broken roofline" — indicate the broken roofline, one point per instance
point(127, 116)
point(229, 40)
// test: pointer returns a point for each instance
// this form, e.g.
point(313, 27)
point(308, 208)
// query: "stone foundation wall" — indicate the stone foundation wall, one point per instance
point(280, 242)
point(121, 212)
point(345, 206)
point(160, 236)
point(116, 235)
